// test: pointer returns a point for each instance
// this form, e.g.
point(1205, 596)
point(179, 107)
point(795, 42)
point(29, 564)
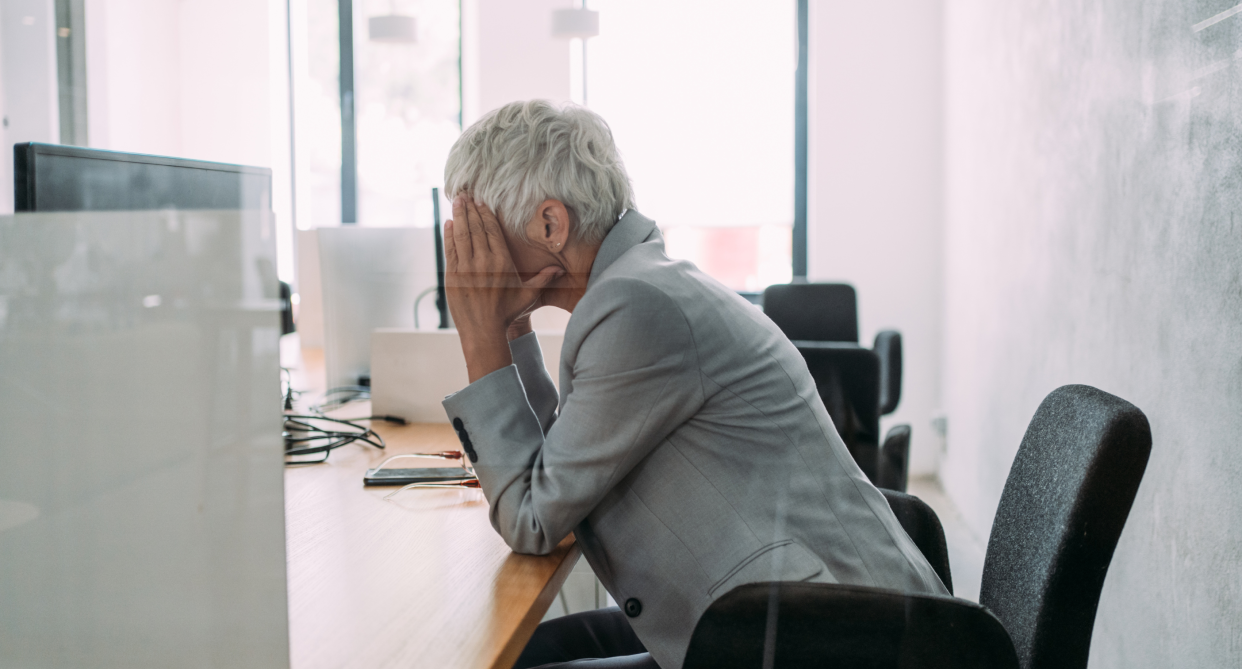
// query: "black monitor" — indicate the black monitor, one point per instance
point(437, 230)
point(51, 177)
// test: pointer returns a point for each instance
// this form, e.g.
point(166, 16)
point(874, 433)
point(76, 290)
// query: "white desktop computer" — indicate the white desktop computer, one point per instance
point(370, 278)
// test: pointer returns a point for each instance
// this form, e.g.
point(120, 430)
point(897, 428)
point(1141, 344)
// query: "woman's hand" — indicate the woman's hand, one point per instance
point(485, 293)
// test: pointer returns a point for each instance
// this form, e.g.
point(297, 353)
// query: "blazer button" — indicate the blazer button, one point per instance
point(633, 607)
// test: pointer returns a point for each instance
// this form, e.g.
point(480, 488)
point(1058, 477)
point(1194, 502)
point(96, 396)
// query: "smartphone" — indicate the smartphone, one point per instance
point(421, 475)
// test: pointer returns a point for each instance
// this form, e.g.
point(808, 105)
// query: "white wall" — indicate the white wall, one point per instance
point(189, 78)
point(28, 90)
point(135, 80)
point(201, 79)
point(509, 54)
point(1093, 235)
point(875, 209)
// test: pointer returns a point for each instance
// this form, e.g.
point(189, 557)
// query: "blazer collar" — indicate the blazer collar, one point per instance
point(631, 230)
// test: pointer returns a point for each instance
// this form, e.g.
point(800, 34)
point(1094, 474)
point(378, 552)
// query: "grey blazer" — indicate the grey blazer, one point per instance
point(690, 454)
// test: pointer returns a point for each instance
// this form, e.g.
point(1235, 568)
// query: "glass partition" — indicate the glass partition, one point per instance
point(142, 477)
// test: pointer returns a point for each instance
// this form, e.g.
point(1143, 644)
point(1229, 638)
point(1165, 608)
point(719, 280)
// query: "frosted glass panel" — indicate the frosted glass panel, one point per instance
point(141, 475)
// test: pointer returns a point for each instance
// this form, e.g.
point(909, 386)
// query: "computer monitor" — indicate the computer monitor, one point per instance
point(51, 177)
point(371, 278)
point(441, 296)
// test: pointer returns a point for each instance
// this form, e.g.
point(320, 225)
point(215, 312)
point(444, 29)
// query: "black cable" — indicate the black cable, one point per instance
point(301, 435)
point(387, 419)
point(347, 389)
point(307, 462)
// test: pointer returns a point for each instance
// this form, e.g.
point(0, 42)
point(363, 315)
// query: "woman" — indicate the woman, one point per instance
point(688, 450)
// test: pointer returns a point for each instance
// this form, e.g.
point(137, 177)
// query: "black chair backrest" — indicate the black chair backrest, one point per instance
point(797, 625)
point(893, 463)
point(923, 526)
point(888, 348)
point(813, 311)
point(1065, 503)
point(847, 377)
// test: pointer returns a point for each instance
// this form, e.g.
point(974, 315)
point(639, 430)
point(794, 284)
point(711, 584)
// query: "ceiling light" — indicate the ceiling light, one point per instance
point(393, 28)
point(570, 23)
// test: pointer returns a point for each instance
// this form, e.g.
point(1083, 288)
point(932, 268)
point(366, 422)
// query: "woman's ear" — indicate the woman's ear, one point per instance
point(549, 229)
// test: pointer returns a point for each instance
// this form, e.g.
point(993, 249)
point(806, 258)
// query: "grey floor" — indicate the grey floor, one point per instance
point(582, 591)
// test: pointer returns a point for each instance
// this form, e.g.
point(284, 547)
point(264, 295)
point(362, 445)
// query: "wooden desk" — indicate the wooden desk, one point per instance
point(421, 580)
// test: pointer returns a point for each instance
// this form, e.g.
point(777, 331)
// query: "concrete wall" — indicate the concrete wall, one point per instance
point(876, 183)
point(1093, 236)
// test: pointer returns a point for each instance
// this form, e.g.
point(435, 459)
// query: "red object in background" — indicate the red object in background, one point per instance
point(731, 256)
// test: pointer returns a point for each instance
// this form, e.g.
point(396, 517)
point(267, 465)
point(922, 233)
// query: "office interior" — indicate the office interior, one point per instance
point(1033, 194)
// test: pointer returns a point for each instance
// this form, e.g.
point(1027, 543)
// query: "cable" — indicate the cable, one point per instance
point(305, 435)
point(352, 393)
point(418, 299)
point(387, 419)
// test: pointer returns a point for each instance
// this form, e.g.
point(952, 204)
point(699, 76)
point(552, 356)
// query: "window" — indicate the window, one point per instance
point(406, 106)
point(700, 97)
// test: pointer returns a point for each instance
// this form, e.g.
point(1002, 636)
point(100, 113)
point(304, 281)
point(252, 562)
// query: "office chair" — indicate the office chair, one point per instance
point(1064, 506)
point(921, 523)
point(1065, 503)
point(857, 385)
point(286, 309)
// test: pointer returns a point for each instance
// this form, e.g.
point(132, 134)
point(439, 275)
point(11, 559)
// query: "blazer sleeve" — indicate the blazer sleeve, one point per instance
point(540, 391)
point(635, 379)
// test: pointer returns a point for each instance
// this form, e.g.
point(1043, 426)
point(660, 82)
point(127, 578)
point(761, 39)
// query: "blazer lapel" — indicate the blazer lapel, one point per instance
point(633, 229)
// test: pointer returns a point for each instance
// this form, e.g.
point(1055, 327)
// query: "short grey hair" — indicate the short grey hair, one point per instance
point(523, 153)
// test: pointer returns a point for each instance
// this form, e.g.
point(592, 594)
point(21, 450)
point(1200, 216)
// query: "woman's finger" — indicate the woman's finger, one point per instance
point(491, 228)
point(536, 284)
point(478, 238)
point(461, 231)
point(450, 247)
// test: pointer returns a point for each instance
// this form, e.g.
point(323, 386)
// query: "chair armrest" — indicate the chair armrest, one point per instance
point(923, 526)
point(893, 461)
point(888, 348)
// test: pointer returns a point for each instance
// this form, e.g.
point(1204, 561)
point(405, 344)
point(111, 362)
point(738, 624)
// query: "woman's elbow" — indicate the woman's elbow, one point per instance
point(527, 537)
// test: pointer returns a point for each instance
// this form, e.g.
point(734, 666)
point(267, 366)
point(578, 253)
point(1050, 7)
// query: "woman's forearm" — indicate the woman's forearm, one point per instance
point(485, 353)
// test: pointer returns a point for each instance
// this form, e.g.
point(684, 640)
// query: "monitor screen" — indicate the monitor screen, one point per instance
point(50, 177)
